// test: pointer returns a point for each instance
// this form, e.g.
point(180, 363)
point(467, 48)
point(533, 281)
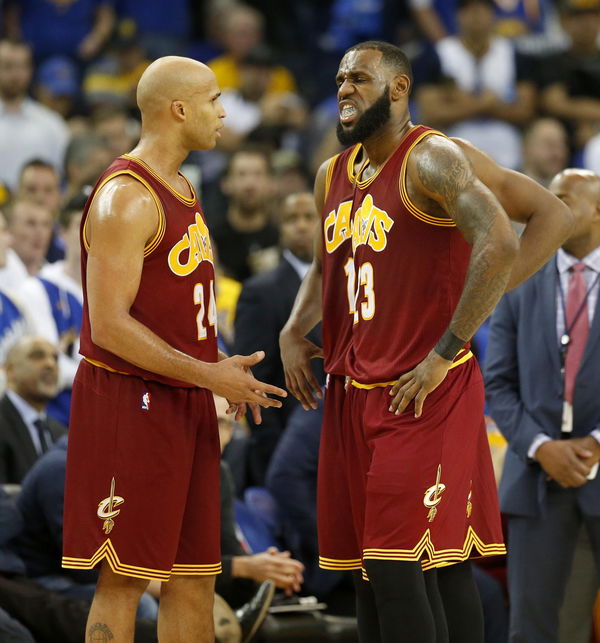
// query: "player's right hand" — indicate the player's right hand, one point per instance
point(296, 353)
point(231, 378)
point(564, 462)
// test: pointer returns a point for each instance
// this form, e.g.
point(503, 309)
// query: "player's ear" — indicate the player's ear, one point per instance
point(178, 109)
point(399, 87)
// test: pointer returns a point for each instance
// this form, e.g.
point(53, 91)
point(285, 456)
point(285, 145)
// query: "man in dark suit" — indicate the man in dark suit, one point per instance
point(543, 387)
point(263, 308)
point(25, 430)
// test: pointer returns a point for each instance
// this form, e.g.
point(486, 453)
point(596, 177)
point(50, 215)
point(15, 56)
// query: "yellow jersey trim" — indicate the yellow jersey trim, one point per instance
point(184, 199)
point(93, 362)
point(410, 206)
point(467, 356)
point(107, 551)
point(440, 557)
point(162, 222)
point(329, 173)
point(351, 160)
point(355, 178)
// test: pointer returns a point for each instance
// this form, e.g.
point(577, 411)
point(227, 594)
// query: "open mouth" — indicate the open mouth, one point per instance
point(347, 113)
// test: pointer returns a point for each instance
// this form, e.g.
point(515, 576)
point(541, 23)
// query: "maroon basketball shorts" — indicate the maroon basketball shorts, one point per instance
point(339, 547)
point(142, 487)
point(421, 489)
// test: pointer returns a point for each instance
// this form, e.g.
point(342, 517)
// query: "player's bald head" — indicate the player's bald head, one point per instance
point(577, 179)
point(169, 79)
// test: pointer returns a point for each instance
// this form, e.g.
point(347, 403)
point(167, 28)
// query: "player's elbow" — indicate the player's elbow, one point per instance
point(103, 332)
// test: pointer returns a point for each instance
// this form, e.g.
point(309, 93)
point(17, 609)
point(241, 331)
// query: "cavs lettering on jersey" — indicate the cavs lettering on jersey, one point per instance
point(176, 295)
point(338, 298)
point(408, 272)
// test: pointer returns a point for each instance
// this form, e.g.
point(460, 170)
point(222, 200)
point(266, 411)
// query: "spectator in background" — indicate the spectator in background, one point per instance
point(30, 225)
point(252, 106)
point(76, 28)
point(13, 325)
point(113, 79)
point(40, 183)
point(57, 85)
point(12, 270)
point(85, 159)
point(163, 27)
point(53, 303)
point(486, 96)
point(27, 129)
point(25, 430)
point(542, 381)
point(571, 78)
point(242, 570)
point(292, 480)
point(245, 236)
point(117, 128)
point(545, 150)
point(241, 30)
point(437, 18)
point(263, 308)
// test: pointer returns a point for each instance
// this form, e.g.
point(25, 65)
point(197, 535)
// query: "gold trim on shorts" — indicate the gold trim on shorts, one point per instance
point(107, 551)
point(339, 564)
point(461, 360)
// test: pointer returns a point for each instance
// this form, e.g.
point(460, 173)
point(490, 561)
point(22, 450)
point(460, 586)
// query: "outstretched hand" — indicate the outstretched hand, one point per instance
point(232, 379)
point(296, 353)
point(418, 383)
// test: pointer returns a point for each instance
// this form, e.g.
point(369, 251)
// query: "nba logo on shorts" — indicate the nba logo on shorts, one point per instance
point(146, 401)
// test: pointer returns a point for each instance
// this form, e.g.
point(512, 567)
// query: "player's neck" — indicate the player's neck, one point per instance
point(582, 246)
point(381, 146)
point(165, 161)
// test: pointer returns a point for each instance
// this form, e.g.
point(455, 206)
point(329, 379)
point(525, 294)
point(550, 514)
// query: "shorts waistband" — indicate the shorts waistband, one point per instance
point(460, 359)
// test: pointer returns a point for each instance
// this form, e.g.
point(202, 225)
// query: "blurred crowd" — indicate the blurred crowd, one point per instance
point(518, 78)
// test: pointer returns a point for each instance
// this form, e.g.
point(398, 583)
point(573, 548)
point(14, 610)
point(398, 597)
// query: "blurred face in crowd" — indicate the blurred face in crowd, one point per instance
point(298, 225)
point(118, 133)
point(242, 31)
point(583, 29)
point(41, 184)
point(15, 70)
point(476, 20)
point(86, 171)
point(546, 151)
point(31, 230)
point(249, 183)
point(5, 240)
point(32, 370)
point(254, 81)
point(580, 190)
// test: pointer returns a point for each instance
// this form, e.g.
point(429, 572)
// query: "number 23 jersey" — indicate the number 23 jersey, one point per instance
point(408, 272)
point(176, 294)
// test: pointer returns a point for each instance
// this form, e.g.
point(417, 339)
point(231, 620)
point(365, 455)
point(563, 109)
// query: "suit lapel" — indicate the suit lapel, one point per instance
point(19, 431)
point(593, 336)
point(547, 293)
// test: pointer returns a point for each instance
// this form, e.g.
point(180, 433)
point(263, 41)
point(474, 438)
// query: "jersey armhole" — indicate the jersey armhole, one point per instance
point(329, 174)
point(410, 206)
point(160, 232)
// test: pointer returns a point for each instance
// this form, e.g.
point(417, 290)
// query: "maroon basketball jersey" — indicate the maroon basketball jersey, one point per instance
point(176, 296)
point(409, 272)
point(337, 290)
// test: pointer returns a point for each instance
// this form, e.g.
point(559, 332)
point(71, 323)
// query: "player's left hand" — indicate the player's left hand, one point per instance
point(240, 411)
point(418, 383)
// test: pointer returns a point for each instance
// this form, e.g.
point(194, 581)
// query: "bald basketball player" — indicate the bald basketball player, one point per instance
point(142, 499)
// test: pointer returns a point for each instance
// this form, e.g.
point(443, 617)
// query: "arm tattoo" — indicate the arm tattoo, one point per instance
point(447, 175)
point(99, 633)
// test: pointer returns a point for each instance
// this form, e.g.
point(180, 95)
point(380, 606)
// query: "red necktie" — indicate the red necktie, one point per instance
point(578, 329)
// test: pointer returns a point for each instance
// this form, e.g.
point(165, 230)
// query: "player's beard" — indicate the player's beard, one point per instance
point(371, 121)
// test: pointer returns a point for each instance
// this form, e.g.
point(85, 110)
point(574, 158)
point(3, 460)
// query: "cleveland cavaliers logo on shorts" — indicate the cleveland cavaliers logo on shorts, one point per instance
point(106, 508)
point(433, 495)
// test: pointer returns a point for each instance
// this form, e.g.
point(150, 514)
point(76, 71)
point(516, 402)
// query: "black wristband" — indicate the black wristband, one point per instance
point(449, 345)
